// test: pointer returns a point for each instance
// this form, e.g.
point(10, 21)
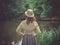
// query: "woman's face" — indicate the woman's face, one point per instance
point(29, 18)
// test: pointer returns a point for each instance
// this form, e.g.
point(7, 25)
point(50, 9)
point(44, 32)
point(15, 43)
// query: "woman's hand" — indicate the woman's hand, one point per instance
point(34, 35)
point(22, 34)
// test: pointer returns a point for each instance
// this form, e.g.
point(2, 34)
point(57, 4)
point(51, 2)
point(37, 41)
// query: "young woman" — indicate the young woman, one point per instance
point(28, 29)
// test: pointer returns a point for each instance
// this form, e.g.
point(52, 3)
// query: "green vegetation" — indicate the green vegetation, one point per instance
point(16, 8)
point(47, 38)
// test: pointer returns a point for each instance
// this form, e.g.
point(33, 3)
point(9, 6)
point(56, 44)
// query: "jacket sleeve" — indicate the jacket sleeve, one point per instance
point(37, 29)
point(20, 29)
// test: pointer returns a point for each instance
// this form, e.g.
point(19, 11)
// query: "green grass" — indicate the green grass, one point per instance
point(47, 37)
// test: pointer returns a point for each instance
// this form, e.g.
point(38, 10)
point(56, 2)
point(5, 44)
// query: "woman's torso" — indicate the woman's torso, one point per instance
point(28, 28)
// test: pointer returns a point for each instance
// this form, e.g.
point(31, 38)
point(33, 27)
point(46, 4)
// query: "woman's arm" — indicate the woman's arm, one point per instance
point(20, 29)
point(37, 29)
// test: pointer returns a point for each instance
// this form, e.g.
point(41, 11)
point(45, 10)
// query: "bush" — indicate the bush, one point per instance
point(46, 38)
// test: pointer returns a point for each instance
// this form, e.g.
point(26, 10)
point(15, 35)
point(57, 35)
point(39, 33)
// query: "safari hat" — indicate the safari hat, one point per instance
point(32, 15)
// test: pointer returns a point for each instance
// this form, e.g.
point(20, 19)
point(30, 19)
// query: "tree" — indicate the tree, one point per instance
point(17, 7)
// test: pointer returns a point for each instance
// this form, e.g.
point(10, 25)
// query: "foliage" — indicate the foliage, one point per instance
point(46, 38)
point(17, 7)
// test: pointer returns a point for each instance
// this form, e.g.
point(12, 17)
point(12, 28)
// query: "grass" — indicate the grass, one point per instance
point(47, 37)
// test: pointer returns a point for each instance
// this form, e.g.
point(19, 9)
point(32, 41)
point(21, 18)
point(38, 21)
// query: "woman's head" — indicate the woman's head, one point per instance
point(31, 18)
point(30, 15)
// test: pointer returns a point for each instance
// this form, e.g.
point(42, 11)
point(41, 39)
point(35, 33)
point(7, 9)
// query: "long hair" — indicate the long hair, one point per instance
point(31, 19)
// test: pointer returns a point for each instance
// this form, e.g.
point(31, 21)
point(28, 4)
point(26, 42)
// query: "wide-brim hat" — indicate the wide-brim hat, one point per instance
point(32, 15)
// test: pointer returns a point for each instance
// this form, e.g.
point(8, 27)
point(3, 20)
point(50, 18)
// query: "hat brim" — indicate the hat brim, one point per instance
point(29, 15)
